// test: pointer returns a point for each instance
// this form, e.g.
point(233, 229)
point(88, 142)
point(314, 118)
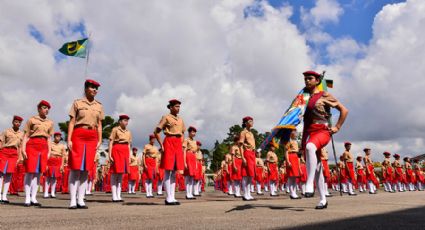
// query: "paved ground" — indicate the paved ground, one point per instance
point(217, 211)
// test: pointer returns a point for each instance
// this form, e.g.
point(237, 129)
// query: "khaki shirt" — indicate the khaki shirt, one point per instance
point(120, 135)
point(57, 149)
point(199, 156)
point(386, 163)
point(10, 138)
point(321, 108)
point(234, 150)
point(228, 158)
point(150, 151)
point(367, 160)
point(87, 113)
point(133, 160)
point(171, 125)
point(39, 127)
point(359, 165)
point(247, 139)
point(348, 157)
point(259, 162)
point(396, 164)
point(190, 145)
point(293, 147)
point(271, 157)
point(324, 154)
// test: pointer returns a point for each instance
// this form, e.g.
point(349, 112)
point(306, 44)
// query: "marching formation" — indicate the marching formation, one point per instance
point(35, 156)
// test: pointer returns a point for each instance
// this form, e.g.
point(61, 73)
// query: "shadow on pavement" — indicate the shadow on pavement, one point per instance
point(406, 219)
point(272, 207)
point(138, 203)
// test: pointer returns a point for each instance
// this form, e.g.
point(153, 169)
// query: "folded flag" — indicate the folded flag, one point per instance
point(75, 48)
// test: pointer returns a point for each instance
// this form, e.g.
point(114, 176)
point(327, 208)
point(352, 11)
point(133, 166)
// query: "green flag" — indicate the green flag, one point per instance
point(75, 48)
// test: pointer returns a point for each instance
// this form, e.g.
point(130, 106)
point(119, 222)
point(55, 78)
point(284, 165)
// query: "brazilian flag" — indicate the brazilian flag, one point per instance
point(75, 48)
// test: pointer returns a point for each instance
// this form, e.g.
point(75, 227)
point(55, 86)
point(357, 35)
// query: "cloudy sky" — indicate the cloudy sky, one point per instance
point(224, 59)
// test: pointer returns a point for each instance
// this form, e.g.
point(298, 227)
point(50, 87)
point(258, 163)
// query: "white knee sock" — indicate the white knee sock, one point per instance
point(46, 187)
point(34, 187)
point(89, 187)
point(230, 187)
point(258, 188)
point(350, 187)
point(187, 181)
point(320, 182)
point(196, 188)
point(82, 187)
point(272, 188)
point(311, 163)
point(237, 188)
point(7, 178)
point(53, 189)
point(114, 182)
point(159, 188)
point(119, 186)
point(28, 179)
point(74, 182)
point(173, 186)
point(1, 180)
point(292, 187)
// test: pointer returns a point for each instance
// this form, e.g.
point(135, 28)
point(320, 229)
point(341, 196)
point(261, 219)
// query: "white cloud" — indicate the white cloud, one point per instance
point(324, 11)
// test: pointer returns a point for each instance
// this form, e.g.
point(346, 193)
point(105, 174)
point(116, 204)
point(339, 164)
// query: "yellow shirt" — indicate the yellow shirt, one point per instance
point(120, 135)
point(10, 138)
point(39, 127)
point(87, 113)
point(171, 125)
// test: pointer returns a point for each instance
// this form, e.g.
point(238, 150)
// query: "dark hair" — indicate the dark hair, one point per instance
point(89, 84)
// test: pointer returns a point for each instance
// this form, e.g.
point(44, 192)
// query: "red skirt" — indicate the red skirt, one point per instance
point(53, 167)
point(259, 174)
point(172, 157)
point(150, 169)
point(303, 177)
point(361, 177)
point(8, 160)
point(410, 177)
point(191, 164)
point(120, 155)
point(83, 151)
point(419, 177)
point(294, 170)
point(230, 171)
point(37, 150)
point(371, 175)
point(388, 175)
point(273, 174)
point(93, 172)
point(198, 172)
point(134, 173)
point(160, 174)
point(249, 168)
point(237, 173)
point(65, 179)
point(350, 172)
point(283, 178)
point(326, 171)
point(398, 176)
point(343, 176)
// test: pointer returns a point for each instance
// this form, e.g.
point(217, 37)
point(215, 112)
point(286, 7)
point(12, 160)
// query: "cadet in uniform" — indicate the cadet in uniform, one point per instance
point(272, 160)
point(293, 166)
point(247, 146)
point(172, 158)
point(259, 173)
point(36, 149)
point(84, 138)
point(349, 167)
point(387, 173)
point(370, 172)
point(54, 165)
point(133, 176)
point(361, 176)
point(150, 165)
point(10, 147)
point(189, 149)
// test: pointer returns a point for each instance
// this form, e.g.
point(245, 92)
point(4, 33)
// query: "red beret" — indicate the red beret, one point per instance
point(174, 102)
point(18, 118)
point(365, 149)
point(347, 143)
point(311, 73)
point(134, 148)
point(246, 119)
point(43, 102)
point(198, 143)
point(359, 157)
point(57, 133)
point(387, 154)
point(93, 82)
point(396, 156)
point(151, 136)
point(123, 116)
point(191, 128)
point(416, 160)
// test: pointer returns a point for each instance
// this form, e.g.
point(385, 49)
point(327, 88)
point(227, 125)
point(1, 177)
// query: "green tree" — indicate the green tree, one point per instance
point(218, 152)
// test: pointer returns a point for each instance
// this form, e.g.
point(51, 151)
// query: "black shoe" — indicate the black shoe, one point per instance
point(321, 206)
point(329, 195)
point(176, 203)
point(352, 194)
point(35, 204)
point(237, 196)
point(372, 192)
point(169, 203)
point(51, 196)
point(260, 194)
point(274, 195)
point(159, 194)
point(294, 198)
point(309, 194)
point(82, 207)
point(27, 205)
point(244, 199)
point(72, 207)
point(120, 201)
point(115, 201)
point(5, 202)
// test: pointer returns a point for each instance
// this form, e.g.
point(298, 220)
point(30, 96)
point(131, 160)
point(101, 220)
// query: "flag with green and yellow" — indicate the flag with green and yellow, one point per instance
point(75, 48)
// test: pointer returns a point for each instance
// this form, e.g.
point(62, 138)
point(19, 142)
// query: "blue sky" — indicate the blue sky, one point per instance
point(356, 21)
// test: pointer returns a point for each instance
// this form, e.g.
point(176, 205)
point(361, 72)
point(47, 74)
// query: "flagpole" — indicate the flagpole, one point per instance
point(88, 55)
